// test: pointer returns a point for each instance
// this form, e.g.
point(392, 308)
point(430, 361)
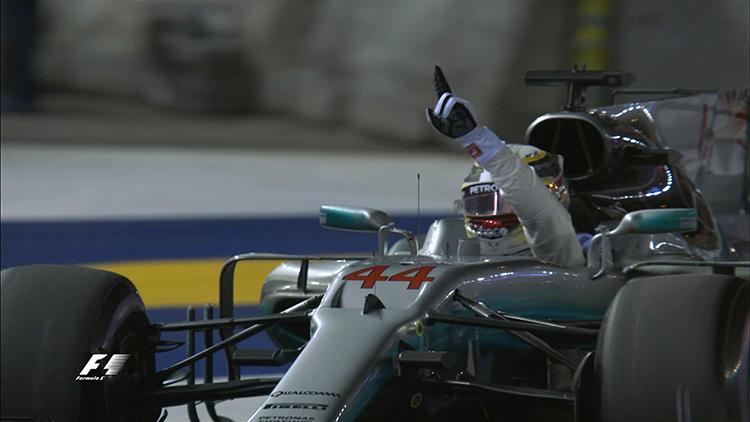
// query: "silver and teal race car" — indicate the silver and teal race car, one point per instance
point(655, 327)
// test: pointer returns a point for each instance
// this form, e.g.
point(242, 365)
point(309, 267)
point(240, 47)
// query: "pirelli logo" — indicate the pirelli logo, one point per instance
point(305, 406)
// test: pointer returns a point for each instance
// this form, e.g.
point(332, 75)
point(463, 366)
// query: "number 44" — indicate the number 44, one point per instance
point(368, 276)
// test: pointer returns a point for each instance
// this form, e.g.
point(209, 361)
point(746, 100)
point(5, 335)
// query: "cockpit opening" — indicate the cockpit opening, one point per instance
point(577, 140)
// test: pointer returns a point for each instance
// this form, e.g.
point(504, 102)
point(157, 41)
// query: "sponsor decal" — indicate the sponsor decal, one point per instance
point(473, 150)
point(489, 232)
point(483, 188)
point(414, 276)
point(305, 393)
point(102, 365)
point(306, 406)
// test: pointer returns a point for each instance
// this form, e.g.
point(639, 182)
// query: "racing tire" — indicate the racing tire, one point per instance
point(53, 319)
point(675, 348)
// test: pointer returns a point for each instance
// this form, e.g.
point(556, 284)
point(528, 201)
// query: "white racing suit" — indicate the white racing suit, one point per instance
point(546, 223)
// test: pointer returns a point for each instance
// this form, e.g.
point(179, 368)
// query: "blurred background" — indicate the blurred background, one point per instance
point(243, 67)
point(158, 137)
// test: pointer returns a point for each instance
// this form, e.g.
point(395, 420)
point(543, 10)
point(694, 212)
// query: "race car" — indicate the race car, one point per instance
point(655, 327)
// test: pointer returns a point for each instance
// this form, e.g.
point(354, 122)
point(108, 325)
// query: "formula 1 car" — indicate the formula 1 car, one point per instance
point(656, 326)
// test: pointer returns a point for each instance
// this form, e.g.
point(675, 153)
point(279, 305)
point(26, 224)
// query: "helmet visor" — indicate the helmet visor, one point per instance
point(482, 200)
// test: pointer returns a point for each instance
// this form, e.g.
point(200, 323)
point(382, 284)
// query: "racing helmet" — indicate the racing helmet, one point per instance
point(548, 167)
point(486, 213)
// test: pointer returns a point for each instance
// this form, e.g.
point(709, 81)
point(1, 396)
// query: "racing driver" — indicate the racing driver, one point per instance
point(520, 191)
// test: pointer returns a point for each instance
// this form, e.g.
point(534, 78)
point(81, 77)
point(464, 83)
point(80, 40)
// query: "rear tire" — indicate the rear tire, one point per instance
point(675, 348)
point(53, 319)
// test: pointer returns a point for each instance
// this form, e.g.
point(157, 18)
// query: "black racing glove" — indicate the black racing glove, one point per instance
point(452, 116)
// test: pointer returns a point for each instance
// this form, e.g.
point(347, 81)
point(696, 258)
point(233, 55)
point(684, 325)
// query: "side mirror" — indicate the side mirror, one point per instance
point(364, 220)
point(353, 218)
point(665, 220)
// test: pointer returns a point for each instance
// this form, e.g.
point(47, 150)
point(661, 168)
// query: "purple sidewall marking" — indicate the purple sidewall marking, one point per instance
point(131, 303)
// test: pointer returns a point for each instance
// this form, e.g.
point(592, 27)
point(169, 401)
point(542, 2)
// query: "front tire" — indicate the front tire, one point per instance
point(53, 319)
point(675, 348)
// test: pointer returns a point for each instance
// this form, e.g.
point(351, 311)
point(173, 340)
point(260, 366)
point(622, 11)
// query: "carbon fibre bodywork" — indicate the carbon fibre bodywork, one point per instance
point(617, 163)
point(348, 346)
point(352, 353)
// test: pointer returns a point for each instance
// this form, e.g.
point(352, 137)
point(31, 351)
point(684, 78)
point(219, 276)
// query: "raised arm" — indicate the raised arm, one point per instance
point(546, 223)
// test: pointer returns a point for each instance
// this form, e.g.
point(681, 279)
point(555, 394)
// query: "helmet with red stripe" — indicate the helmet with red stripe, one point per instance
point(487, 215)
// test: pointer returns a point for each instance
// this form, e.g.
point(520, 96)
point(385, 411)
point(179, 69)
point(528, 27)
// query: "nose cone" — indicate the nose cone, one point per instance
point(325, 377)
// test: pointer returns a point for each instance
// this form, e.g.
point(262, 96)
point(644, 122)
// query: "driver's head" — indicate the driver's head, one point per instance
point(486, 213)
point(548, 167)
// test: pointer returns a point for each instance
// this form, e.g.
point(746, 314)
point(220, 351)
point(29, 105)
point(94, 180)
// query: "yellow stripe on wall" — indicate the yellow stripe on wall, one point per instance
point(590, 42)
point(177, 283)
